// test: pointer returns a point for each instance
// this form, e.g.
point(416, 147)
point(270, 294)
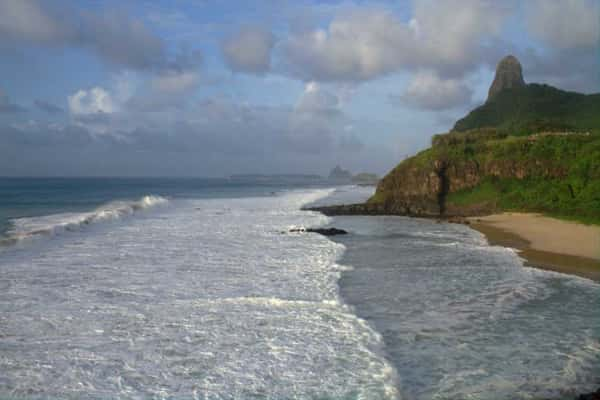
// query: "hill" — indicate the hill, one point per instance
point(533, 108)
point(483, 171)
point(530, 147)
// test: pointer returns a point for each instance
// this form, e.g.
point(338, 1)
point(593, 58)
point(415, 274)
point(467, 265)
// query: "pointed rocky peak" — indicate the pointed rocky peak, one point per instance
point(509, 74)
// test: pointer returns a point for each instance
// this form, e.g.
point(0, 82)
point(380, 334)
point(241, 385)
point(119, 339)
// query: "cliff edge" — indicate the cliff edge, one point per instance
point(529, 147)
point(485, 171)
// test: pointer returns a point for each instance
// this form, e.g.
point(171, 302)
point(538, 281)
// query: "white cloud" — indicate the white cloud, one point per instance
point(166, 90)
point(428, 91)
point(454, 32)
point(565, 23)
point(364, 43)
point(93, 101)
point(316, 99)
point(249, 50)
point(28, 20)
point(175, 82)
point(570, 33)
point(128, 94)
point(122, 40)
point(358, 46)
point(114, 36)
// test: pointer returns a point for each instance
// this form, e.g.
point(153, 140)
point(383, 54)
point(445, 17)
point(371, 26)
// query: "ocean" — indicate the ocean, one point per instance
point(195, 289)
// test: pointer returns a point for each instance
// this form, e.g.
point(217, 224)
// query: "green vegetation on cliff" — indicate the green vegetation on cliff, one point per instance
point(483, 171)
point(535, 108)
point(557, 175)
point(528, 148)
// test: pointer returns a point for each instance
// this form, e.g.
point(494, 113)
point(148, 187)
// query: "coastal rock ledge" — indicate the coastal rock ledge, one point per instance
point(321, 231)
point(380, 209)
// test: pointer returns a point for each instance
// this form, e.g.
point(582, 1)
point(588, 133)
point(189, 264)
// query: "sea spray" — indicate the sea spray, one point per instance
point(49, 225)
point(205, 299)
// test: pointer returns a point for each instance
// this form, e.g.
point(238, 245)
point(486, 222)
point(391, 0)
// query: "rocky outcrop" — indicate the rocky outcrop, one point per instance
point(502, 155)
point(321, 231)
point(413, 189)
point(353, 209)
point(340, 174)
point(420, 187)
point(509, 74)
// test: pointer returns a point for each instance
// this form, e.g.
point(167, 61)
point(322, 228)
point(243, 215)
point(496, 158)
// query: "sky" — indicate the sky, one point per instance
point(211, 87)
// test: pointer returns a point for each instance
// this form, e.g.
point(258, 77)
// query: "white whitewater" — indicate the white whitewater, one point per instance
point(203, 299)
point(48, 225)
point(212, 299)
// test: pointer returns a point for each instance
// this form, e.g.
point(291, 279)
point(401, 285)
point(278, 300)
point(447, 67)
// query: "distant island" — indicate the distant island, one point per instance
point(275, 177)
point(365, 178)
point(340, 175)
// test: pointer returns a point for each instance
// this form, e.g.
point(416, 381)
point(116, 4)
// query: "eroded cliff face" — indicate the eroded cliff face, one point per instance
point(482, 171)
point(413, 189)
point(420, 185)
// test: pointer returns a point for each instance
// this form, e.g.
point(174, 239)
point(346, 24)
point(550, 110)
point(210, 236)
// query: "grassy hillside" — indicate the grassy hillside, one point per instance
point(532, 148)
point(534, 108)
point(556, 175)
point(485, 170)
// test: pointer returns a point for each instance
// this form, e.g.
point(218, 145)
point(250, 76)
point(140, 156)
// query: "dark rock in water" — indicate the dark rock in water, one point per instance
point(328, 231)
point(322, 231)
point(590, 396)
point(509, 74)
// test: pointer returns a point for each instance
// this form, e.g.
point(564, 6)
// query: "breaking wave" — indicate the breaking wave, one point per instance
point(50, 225)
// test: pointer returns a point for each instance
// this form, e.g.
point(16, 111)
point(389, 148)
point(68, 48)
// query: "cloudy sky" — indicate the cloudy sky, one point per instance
point(212, 87)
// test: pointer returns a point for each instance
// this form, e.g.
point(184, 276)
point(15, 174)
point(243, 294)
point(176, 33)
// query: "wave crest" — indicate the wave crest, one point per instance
point(50, 225)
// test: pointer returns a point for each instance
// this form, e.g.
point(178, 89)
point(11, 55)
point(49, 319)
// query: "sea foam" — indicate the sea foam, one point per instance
point(206, 299)
point(49, 225)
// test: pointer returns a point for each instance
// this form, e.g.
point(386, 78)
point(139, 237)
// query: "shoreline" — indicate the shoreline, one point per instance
point(504, 235)
point(360, 257)
point(544, 242)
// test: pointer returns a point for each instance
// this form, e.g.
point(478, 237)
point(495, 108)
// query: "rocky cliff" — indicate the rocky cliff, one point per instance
point(522, 109)
point(509, 75)
point(427, 184)
point(508, 154)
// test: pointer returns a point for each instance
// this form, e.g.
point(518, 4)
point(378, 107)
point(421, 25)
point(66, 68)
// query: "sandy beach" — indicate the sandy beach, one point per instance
point(546, 242)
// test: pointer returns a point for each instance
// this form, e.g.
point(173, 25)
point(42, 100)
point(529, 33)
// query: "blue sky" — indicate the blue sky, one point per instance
point(212, 88)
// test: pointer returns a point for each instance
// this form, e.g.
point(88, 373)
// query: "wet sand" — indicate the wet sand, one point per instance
point(546, 243)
